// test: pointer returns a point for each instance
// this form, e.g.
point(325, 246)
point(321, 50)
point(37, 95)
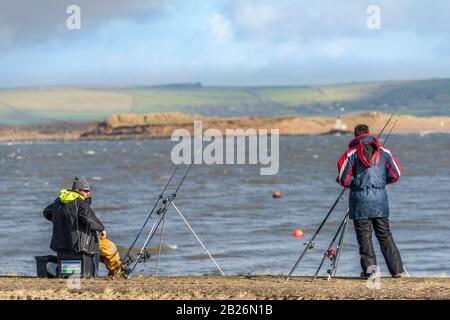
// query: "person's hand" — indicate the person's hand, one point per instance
point(102, 235)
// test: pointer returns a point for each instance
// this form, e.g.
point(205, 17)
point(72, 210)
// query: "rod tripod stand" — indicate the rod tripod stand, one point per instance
point(311, 244)
point(161, 218)
point(334, 255)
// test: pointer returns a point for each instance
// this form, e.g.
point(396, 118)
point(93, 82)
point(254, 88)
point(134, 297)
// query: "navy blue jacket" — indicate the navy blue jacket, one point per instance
point(367, 178)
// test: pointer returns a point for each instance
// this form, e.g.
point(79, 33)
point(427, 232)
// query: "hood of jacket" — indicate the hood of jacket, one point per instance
point(367, 148)
point(68, 196)
point(365, 138)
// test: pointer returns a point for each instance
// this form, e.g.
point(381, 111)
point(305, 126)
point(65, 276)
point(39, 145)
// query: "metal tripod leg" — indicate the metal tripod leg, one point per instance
point(195, 235)
point(160, 244)
point(339, 249)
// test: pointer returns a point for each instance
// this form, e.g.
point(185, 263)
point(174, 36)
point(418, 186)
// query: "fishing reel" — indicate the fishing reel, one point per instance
point(124, 269)
point(127, 261)
point(163, 208)
point(309, 245)
point(145, 256)
point(331, 254)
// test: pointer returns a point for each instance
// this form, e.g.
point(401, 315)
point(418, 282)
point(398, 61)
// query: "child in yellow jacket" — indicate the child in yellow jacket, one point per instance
point(109, 254)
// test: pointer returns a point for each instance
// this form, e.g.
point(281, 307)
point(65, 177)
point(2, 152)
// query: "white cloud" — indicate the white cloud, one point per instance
point(234, 42)
point(333, 49)
point(220, 27)
point(258, 17)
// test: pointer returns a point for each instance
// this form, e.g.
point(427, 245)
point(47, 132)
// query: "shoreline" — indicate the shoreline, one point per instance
point(143, 138)
point(162, 125)
point(224, 288)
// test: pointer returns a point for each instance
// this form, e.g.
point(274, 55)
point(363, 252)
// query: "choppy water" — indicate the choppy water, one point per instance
point(229, 206)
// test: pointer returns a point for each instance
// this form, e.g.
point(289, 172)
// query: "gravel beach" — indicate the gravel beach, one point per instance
point(223, 288)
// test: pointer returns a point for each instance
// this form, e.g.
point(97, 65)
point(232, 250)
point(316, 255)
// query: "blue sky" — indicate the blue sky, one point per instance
point(229, 42)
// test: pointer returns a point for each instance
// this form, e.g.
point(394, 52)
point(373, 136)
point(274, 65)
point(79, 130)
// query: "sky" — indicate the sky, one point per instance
point(222, 42)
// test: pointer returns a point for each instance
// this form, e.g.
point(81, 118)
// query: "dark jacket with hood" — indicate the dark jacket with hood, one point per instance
point(366, 168)
point(75, 224)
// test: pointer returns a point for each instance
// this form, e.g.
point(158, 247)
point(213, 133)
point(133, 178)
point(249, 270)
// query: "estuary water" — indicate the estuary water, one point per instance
point(230, 207)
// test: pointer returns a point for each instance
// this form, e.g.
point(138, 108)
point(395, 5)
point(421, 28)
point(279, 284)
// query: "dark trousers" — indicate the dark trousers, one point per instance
point(390, 252)
point(95, 262)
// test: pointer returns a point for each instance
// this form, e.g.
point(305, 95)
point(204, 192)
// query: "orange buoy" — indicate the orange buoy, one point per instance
point(276, 194)
point(298, 233)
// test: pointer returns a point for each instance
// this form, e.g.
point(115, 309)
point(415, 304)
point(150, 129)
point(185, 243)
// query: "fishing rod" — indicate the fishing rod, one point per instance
point(127, 258)
point(335, 261)
point(334, 255)
point(161, 212)
point(310, 244)
point(330, 253)
point(142, 256)
point(143, 252)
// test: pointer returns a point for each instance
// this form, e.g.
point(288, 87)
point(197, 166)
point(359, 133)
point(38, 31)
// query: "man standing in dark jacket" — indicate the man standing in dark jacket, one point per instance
point(75, 224)
point(366, 168)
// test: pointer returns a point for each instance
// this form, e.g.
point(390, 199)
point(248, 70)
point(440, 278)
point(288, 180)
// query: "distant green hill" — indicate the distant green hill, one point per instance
point(43, 105)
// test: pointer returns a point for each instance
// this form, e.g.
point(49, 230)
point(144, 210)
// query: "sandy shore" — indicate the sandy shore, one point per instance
point(224, 288)
point(162, 125)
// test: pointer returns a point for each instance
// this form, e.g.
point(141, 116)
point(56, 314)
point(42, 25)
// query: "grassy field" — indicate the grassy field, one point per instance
point(28, 106)
point(44, 105)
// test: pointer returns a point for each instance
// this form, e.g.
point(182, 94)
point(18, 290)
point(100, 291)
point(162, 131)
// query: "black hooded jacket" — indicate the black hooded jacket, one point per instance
point(75, 224)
